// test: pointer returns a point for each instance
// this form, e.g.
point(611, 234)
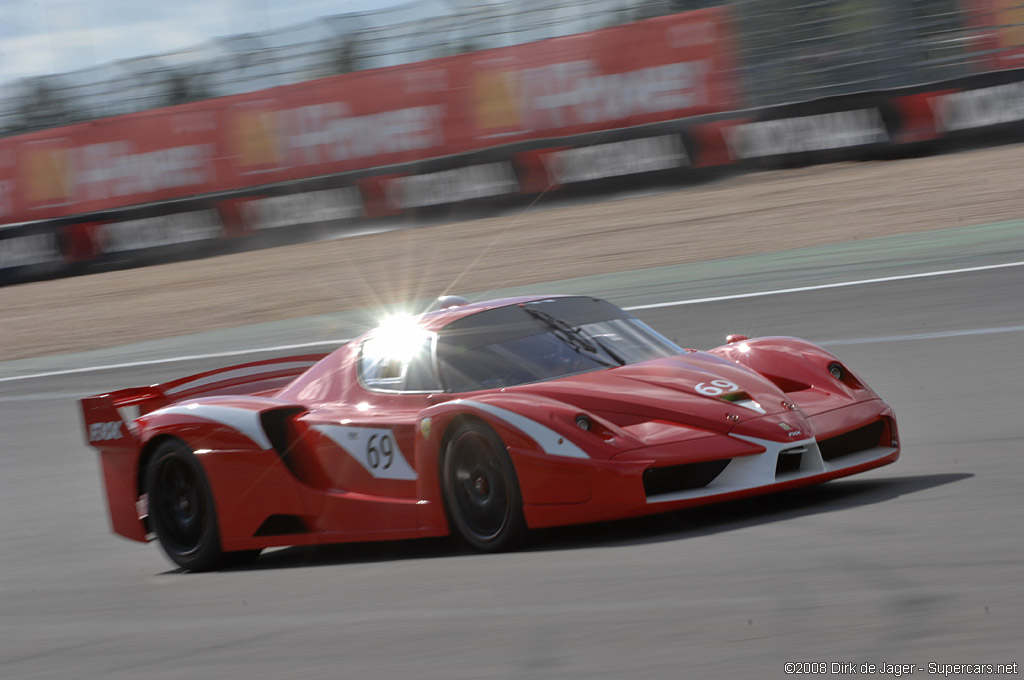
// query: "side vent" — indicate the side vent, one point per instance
point(275, 424)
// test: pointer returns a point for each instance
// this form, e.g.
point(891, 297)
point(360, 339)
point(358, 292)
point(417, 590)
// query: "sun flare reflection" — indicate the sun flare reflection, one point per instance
point(398, 337)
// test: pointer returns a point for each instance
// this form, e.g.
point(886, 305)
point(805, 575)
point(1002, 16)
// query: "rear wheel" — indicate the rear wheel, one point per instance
point(481, 492)
point(182, 513)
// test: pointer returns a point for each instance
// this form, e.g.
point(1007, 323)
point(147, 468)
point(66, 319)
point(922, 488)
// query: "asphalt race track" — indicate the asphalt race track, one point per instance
point(916, 563)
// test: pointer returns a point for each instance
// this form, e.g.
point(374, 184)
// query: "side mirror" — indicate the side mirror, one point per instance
point(735, 337)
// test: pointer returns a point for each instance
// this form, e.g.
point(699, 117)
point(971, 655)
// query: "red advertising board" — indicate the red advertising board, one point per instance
point(1000, 26)
point(658, 69)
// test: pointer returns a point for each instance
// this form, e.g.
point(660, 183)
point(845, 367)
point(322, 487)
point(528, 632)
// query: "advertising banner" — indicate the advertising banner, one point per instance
point(1000, 26)
point(654, 70)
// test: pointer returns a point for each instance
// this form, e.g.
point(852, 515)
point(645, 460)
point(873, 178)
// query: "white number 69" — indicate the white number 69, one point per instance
point(716, 387)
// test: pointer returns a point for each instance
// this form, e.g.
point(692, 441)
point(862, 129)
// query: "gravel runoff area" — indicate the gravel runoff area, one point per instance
point(743, 215)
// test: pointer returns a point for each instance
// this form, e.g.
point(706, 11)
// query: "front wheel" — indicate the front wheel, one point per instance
point(182, 513)
point(481, 493)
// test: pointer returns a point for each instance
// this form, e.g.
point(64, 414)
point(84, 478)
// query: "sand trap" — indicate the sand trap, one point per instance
point(744, 215)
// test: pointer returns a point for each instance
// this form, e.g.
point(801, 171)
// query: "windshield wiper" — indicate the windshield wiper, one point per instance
point(606, 347)
point(576, 337)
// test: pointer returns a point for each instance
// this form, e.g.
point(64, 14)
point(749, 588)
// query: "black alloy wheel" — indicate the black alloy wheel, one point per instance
point(481, 492)
point(182, 513)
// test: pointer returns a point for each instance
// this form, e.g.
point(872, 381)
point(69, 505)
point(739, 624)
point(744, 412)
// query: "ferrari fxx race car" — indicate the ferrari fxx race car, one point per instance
point(483, 420)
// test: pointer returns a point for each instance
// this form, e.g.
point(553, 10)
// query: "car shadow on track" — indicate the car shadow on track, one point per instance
point(740, 514)
point(701, 521)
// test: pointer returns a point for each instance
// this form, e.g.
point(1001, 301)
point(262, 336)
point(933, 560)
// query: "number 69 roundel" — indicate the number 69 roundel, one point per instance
point(376, 450)
point(715, 388)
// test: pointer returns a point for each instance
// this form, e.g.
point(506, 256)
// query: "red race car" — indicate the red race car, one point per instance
point(477, 419)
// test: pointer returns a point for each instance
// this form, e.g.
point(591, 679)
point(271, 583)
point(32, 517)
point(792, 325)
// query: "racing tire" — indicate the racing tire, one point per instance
point(182, 511)
point(481, 492)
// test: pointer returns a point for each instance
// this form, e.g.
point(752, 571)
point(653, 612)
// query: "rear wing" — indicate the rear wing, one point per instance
point(110, 418)
point(110, 424)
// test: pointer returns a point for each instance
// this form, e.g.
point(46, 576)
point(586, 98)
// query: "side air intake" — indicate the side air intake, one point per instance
point(275, 424)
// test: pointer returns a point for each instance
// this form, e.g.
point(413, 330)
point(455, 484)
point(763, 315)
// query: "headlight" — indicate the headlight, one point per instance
point(837, 371)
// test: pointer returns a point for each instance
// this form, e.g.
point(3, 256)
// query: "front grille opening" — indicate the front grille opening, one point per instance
point(282, 525)
point(854, 441)
point(661, 480)
point(789, 460)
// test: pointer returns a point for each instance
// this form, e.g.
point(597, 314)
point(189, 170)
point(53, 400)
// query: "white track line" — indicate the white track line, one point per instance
point(50, 396)
point(170, 360)
point(658, 305)
point(824, 286)
point(923, 336)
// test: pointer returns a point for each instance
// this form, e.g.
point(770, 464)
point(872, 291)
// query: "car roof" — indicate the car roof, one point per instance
point(435, 321)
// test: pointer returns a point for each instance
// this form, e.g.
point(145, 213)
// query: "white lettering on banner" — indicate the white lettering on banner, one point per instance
point(615, 159)
point(807, 133)
point(161, 230)
point(313, 206)
point(574, 93)
point(114, 169)
point(31, 249)
point(979, 108)
point(324, 133)
point(452, 186)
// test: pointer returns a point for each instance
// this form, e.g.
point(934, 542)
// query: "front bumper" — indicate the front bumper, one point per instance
point(619, 490)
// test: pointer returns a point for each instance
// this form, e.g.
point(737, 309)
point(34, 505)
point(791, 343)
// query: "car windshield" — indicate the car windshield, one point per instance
point(543, 340)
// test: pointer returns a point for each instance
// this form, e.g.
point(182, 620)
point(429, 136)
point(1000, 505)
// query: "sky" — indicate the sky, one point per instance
point(55, 36)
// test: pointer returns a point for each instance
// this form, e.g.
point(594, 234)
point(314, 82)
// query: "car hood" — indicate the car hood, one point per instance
point(698, 390)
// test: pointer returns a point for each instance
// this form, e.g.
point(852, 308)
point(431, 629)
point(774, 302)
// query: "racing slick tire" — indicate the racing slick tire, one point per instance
point(182, 512)
point(481, 492)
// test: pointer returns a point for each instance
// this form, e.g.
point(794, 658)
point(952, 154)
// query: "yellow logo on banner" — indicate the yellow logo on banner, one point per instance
point(1011, 18)
point(494, 100)
point(255, 139)
point(46, 174)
